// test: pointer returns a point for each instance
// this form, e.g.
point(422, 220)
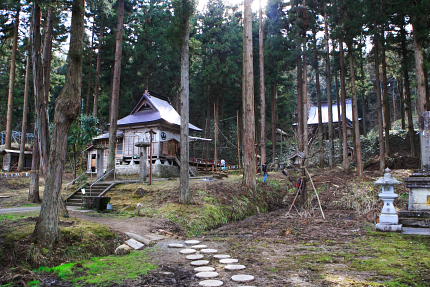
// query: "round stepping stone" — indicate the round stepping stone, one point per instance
point(194, 256)
point(201, 246)
point(192, 242)
point(232, 267)
point(209, 250)
point(176, 245)
point(187, 251)
point(211, 283)
point(228, 261)
point(221, 256)
point(242, 278)
point(199, 262)
point(206, 275)
point(204, 269)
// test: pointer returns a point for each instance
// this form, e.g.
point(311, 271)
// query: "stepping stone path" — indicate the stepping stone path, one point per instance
point(232, 267)
point(199, 262)
point(242, 278)
point(209, 251)
point(205, 272)
point(221, 256)
point(191, 242)
point(201, 246)
point(228, 261)
point(206, 275)
point(204, 269)
point(194, 257)
point(211, 283)
point(188, 251)
point(176, 245)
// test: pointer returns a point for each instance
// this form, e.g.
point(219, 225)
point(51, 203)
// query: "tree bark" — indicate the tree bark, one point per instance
point(329, 92)
point(33, 192)
point(116, 87)
point(249, 161)
point(12, 75)
point(274, 120)
point(356, 125)
point(66, 110)
point(407, 90)
point(419, 67)
point(98, 70)
point(386, 104)
point(305, 106)
point(345, 159)
point(300, 101)
point(379, 107)
point(318, 91)
point(24, 123)
point(402, 103)
point(216, 133)
point(186, 195)
point(262, 90)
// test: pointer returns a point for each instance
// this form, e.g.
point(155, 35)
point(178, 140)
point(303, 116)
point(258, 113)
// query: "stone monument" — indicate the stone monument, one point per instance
point(388, 220)
point(143, 173)
point(416, 220)
point(100, 158)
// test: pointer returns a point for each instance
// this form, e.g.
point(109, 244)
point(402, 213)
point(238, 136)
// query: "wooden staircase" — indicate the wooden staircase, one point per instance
point(97, 189)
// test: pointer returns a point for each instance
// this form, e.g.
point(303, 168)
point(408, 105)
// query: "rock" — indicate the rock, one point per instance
point(211, 283)
point(205, 275)
point(204, 269)
point(191, 242)
point(228, 261)
point(242, 278)
point(147, 239)
point(123, 249)
point(135, 244)
point(199, 262)
point(232, 267)
point(209, 251)
point(187, 251)
point(176, 245)
point(194, 256)
point(221, 256)
point(201, 246)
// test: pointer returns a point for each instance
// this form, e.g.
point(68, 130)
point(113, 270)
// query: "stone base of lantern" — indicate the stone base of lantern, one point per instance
point(389, 227)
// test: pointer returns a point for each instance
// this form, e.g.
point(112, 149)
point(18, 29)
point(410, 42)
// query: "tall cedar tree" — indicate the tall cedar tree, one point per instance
point(12, 74)
point(116, 87)
point(329, 90)
point(262, 88)
point(379, 104)
point(24, 122)
point(66, 110)
point(249, 161)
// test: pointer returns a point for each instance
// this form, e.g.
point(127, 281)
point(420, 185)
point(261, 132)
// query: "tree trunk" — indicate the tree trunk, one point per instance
point(186, 195)
point(262, 90)
point(300, 101)
point(116, 87)
point(66, 110)
point(249, 161)
point(379, 107)
point(419, 67)
point(21, 158)
point(355, 112)
point(12, 74)
point(345, 159)
point(274, 120)
point(41, 120)
point(407, 89)
point(33, 192)
point(305, 106)
point(216, 133)
point(318, 91)
point(386, 104)
point(329, 92)
point(98, 70)
point(402, 103)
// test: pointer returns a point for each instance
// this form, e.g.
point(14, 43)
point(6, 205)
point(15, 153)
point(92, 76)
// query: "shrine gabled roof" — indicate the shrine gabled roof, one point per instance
point(151, 109)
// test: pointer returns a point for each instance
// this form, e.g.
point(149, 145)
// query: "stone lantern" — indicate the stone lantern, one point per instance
point(388, 220)
point(143, 159)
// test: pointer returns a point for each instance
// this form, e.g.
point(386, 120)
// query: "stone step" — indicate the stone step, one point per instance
point(74, 200)
point(414, 214)
point(416, 231)
point(415, 222)
point(73, 204)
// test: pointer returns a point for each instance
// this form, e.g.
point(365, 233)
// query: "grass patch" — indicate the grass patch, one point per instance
point(102, 271)
point(15, 216)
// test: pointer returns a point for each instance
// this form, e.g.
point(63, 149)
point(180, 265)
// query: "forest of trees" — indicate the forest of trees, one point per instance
point(69, 68)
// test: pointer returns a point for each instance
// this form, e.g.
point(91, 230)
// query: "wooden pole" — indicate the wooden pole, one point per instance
point(238, 139)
